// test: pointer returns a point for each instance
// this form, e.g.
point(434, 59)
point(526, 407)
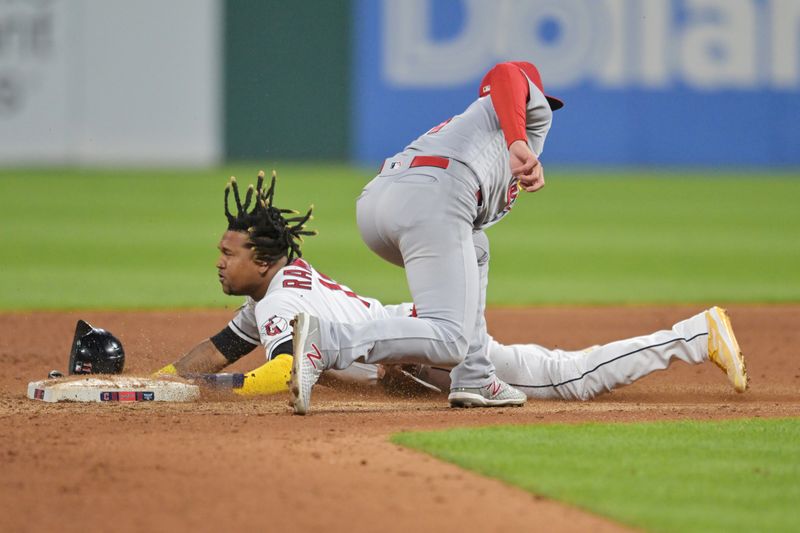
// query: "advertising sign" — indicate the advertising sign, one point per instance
point(675, 82)
point(110, 81)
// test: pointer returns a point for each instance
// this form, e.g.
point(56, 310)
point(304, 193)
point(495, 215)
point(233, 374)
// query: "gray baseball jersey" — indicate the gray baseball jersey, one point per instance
point(421, 213)
point(475, 138)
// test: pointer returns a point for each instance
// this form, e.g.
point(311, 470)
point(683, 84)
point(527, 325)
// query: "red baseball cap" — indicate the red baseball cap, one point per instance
point(533, 74)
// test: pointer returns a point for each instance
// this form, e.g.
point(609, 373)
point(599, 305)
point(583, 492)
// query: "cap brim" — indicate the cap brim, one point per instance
point(554, 102)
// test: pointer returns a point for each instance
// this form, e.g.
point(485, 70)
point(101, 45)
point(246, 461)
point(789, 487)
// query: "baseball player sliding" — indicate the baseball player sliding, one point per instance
point(260, 258)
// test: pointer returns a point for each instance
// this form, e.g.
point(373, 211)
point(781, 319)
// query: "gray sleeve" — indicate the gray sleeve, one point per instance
point(403, 310)
point(538, 119)
point(244, 323)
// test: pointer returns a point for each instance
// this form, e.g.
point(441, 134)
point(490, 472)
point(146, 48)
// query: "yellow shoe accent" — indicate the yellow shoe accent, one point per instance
point(168, 370)
point(269, 378)
point(723, 349)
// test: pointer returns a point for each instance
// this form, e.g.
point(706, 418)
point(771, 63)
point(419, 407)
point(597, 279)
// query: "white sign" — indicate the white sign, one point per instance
point(34, 76)
point(110, 81)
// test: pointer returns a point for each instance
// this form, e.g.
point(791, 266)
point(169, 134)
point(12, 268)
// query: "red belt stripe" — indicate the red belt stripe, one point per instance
point(429, 161)
point(438, 162)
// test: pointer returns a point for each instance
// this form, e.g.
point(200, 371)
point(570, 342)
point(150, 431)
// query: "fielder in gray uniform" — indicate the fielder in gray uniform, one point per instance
point(425, 211)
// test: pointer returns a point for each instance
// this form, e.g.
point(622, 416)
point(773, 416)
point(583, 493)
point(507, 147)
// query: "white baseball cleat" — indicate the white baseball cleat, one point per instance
point(307, 363)
point(723, 349)
point(495, 394)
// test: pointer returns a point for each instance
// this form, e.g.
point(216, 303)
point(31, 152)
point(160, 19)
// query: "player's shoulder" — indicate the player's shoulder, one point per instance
point(298, 263)
point(248, 306)
point(295, 276)
point(298, 274)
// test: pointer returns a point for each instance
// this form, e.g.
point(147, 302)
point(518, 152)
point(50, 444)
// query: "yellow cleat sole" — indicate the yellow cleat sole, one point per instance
point(723, 348)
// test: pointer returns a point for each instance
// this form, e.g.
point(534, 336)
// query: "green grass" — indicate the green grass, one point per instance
point(146, 238)
point(672, 476)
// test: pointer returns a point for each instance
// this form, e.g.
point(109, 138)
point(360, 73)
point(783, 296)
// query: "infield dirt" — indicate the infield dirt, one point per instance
point(232, 464)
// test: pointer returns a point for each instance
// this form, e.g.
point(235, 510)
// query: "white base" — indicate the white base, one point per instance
point(112, 389)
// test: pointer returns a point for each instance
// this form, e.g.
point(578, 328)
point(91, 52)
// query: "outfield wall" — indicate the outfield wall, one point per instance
point(656, 82)
point(110, 82)
point(287, 79)
point(709, 82)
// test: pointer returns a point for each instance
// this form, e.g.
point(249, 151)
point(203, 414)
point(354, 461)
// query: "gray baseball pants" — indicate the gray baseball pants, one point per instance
point(422, 219)
point(543, 373)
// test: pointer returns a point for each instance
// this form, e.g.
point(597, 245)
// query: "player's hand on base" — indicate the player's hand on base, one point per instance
point(168, 370)
point(525, 166)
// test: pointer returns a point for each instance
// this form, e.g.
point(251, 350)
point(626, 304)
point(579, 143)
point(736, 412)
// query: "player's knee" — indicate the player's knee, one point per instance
point(458, 346)
point(454, 340)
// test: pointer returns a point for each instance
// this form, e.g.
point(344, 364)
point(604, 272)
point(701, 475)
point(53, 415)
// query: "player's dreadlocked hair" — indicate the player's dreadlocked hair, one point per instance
point(271, 235)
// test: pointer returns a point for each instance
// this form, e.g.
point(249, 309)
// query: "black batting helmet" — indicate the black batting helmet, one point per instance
point(95, 351)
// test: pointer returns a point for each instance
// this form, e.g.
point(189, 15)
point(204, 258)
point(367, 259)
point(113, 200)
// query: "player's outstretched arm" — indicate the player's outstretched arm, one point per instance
point(269, 378)
point(202, 359)
point(211, 355)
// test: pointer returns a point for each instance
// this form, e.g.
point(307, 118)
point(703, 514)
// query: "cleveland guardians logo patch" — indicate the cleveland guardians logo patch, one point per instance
point(127, 396)
point(275, 325)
